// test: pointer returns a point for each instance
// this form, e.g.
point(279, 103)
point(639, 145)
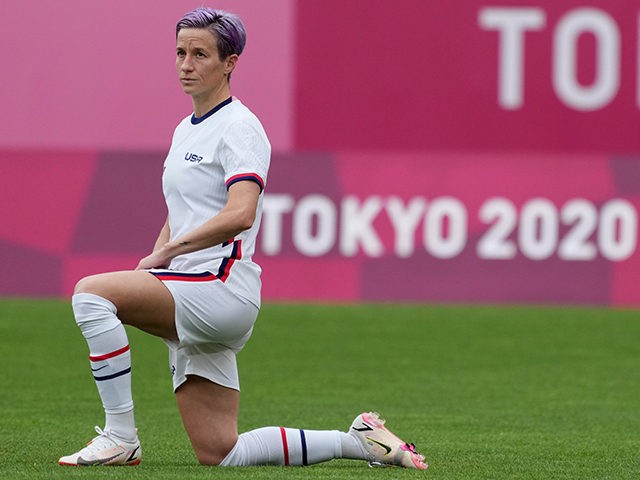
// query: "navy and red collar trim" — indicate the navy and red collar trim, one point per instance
point(196, 120)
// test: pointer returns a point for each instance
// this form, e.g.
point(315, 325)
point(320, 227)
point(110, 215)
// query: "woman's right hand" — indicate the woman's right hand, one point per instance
point(157, 259)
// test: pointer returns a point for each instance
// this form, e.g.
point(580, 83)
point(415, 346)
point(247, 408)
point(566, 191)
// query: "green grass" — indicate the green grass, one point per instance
point(486, 393)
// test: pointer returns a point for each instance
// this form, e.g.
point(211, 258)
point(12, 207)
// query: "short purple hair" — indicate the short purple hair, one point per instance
point(227, 28)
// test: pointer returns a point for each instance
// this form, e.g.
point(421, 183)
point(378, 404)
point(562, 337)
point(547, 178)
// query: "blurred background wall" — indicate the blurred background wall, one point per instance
point(467, 151)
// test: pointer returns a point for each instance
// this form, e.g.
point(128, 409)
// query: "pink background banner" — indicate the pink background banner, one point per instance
point(446, 227)
point(542, 75)
point(454, 228)
point(437, 151)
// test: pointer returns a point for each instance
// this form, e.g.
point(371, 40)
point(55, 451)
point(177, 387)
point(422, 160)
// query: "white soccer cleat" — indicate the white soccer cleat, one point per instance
point(383, 447)
point(105, 450)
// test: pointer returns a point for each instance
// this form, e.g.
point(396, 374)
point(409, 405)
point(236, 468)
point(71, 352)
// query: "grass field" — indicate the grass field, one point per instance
point(485, 393)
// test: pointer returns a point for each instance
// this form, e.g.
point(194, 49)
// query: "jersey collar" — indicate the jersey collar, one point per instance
point(196, 120)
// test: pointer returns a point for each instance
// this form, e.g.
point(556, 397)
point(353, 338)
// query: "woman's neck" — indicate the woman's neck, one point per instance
point(205, 104)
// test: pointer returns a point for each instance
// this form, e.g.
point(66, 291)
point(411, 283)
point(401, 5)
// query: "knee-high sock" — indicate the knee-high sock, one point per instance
point(110, 360)
point(289, 446)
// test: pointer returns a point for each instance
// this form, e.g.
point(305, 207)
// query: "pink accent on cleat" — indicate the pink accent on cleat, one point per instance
point(383, 448)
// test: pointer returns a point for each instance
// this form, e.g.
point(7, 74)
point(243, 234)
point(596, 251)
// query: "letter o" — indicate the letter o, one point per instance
point(607, 79)
point(306, 241)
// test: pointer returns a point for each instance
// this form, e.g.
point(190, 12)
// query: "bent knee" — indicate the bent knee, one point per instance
point(102, 284)
point(88, 284)
point(208, 460)
point(213, 452)
point(210, 457)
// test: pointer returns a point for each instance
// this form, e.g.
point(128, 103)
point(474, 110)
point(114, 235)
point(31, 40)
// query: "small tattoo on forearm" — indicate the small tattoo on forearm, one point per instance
point(184, 243)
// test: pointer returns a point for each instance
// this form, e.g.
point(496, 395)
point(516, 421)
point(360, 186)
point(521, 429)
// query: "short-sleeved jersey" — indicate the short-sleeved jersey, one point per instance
point(207, 156)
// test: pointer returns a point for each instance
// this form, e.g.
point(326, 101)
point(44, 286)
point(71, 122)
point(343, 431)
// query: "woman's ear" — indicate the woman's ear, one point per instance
point(230, 63)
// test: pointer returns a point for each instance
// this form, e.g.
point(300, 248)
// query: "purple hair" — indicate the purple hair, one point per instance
point(227, 28)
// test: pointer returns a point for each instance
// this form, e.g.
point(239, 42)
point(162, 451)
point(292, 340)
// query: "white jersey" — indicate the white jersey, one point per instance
point(208, 155)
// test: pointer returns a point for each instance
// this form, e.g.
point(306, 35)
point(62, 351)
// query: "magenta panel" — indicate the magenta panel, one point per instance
point(452, 228)
point(42, 196)
point(28, 271)
point(414, 74)
point(301, 279)
point(352, 226)
point(125, 208)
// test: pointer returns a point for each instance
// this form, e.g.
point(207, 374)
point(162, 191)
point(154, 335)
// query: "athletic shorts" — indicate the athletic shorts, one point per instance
point(213, 325)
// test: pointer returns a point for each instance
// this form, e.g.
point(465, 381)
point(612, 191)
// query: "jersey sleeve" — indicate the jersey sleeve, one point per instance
point(246, 154)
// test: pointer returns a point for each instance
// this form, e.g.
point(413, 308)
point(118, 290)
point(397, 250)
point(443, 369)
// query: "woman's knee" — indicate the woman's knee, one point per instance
point(90, 284)
point(211, 454)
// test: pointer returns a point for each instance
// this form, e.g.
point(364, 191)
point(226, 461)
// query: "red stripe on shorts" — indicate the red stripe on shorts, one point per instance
point(115, 353)
point(285, 446)
point(208, 277)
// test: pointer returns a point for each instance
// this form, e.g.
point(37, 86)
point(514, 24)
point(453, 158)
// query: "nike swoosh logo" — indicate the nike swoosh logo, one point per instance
point(386, 447)
point(365, 428)
point(82, 461)
point(96, 369)
point(133, 455)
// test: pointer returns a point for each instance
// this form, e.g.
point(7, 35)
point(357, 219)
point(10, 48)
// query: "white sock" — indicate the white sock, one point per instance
point(121, 425)
point(110, 360)
point(285, 446)
point(352, 448)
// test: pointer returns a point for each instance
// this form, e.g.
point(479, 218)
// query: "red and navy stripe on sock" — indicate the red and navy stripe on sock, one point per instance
point(285, 446)
point(107, 356)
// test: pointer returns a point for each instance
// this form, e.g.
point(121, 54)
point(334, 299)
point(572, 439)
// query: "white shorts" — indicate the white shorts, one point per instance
point(213, 325)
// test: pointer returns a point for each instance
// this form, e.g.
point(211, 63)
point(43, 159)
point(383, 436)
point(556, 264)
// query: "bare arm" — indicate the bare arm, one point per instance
point(163, 236)
point(237, 215)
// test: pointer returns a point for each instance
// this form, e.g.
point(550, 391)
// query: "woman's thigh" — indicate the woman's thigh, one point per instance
point(141, 299)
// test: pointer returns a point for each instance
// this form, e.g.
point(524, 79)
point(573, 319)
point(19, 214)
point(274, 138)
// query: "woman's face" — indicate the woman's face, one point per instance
point(199, 68)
